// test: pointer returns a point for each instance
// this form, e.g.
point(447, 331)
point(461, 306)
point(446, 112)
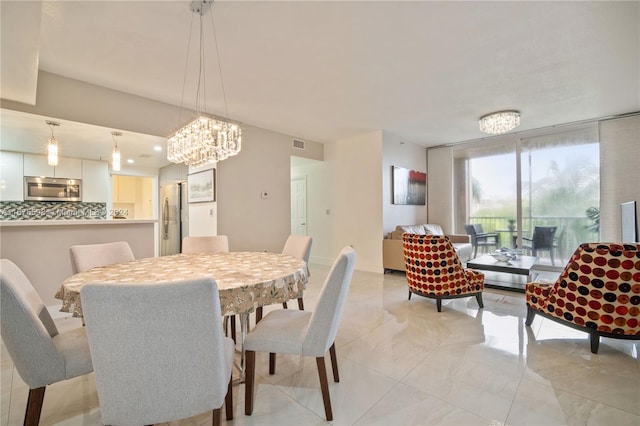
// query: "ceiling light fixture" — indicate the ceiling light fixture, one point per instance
point(499, 122)
point(206, 139)
point(115, 157)
point(52, 146)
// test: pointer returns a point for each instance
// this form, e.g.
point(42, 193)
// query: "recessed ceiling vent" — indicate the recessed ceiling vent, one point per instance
point(297, 143)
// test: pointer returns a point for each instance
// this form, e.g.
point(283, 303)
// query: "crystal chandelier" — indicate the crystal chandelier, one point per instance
point(52, 145)
point(206, 139)
point(499, 122)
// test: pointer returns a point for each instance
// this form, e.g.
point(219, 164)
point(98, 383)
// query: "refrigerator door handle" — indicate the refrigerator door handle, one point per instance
point(165, 218)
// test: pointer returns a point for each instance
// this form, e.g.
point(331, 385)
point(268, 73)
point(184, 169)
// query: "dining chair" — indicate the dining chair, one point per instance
point(542, 239)
point(212, 244)
point(302, 332)
point(158, 350)
point(297, 246)
point(41, 355)
point(479, 238)
point(84, 257)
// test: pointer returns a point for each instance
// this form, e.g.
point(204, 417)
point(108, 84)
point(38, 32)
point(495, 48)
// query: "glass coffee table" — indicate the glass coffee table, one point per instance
point(500, 274)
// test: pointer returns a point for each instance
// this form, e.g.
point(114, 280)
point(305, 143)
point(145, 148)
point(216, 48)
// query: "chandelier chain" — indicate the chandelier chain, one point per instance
point(215, 42)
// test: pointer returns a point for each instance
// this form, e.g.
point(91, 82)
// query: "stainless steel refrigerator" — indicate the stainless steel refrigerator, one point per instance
point(174, 224)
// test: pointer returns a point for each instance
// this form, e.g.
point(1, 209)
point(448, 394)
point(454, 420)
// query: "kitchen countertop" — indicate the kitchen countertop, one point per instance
point(4, 223)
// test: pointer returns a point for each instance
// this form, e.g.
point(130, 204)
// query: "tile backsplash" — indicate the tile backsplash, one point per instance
point(44, 210)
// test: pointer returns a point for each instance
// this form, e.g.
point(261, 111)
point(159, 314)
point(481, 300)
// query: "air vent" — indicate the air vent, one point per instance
point(297, 143)
point(144, 155)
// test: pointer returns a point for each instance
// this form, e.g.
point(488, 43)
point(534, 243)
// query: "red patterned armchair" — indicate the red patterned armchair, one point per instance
point(597, 292)
point(434, 270)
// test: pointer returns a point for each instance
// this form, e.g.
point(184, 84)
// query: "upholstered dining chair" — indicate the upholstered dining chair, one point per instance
point(40, 353)
point(87, 256)
point(212, 244)
point(297, 246)
point(434, 270)
point(158, 351)
point(479, 238)
point(597, 292)
point(303, 332)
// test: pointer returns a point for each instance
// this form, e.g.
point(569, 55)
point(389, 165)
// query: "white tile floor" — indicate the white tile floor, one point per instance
point(403, 363)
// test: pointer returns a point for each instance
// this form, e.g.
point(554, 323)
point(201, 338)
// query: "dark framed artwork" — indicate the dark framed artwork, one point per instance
point(201, 186)
point(409, 187)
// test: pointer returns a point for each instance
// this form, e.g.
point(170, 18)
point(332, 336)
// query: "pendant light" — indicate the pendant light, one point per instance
point(52, 146)
point(115, 158)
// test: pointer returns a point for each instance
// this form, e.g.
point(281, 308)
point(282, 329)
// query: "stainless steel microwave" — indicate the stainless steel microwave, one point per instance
point(52, 189)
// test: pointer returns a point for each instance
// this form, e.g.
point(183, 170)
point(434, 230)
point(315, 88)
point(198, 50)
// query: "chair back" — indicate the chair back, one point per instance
point(213, 244)
point(157, 349)
point(298, 246)
point(432, 265)
point(84, 257)
point(597, 289)
point(323, 325)
point(543, 237)
point(28, 329)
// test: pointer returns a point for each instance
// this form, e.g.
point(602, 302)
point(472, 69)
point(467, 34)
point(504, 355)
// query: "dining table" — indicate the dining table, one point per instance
point(246, 280)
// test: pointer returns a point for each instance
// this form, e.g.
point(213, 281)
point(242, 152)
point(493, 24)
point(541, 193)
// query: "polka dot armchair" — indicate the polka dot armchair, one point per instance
point(434, 270)
point(597, 292)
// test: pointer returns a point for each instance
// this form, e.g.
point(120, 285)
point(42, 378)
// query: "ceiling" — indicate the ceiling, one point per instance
point(323, 71)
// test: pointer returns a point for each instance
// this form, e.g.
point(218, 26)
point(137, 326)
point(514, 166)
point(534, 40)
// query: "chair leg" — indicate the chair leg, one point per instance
point(409, 294)
point(530, 314)
point(258, 314)
point(272, 363)
point(594, 338)
point(300, 304)
point(479, 299)
point(233, 328)
point(284, 305)
point(439, 304)
point(34, 406)
point(334, 362)
point(249, 379)
point(228, 400)
point(324, 386)
point(217, 419)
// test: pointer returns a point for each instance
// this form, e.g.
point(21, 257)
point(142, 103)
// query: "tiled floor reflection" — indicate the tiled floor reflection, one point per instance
point(403, 363)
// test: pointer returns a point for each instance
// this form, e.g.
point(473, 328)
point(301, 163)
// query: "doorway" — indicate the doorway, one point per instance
point(299, 205)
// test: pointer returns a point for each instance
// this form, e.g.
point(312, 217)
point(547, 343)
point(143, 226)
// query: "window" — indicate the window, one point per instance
point(511, 186)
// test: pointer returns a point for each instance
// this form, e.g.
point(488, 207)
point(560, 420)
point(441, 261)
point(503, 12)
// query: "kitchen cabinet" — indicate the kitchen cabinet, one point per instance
point(11, 176)
point(68, 168)
point(36, 165)
point(124, 189)
point(95, 181)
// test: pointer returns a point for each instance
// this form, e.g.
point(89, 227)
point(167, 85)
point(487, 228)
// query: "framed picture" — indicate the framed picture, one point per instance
point(201, 186)
point(409, 187)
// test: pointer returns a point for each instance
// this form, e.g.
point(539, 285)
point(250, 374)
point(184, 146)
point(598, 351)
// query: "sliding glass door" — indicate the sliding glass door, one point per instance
point(540, 193)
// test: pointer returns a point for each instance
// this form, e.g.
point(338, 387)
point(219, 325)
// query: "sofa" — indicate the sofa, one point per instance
point(392, 253)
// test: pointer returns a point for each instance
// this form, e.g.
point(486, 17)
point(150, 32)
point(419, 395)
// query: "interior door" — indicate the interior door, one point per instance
point(299, 205)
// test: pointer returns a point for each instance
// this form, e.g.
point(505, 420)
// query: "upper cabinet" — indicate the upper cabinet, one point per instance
point(95, 181)
point(11, 176)
point(36, 165)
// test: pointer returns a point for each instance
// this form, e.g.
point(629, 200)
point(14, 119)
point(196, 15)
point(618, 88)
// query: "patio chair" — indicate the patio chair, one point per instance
point(542, 239)
point(434, 270)
point(479, 238)
point(597, 292)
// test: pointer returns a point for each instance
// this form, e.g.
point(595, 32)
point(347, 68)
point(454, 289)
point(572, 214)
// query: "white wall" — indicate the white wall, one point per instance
point(409, 156)
point(356, 173)
point(251, 222)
